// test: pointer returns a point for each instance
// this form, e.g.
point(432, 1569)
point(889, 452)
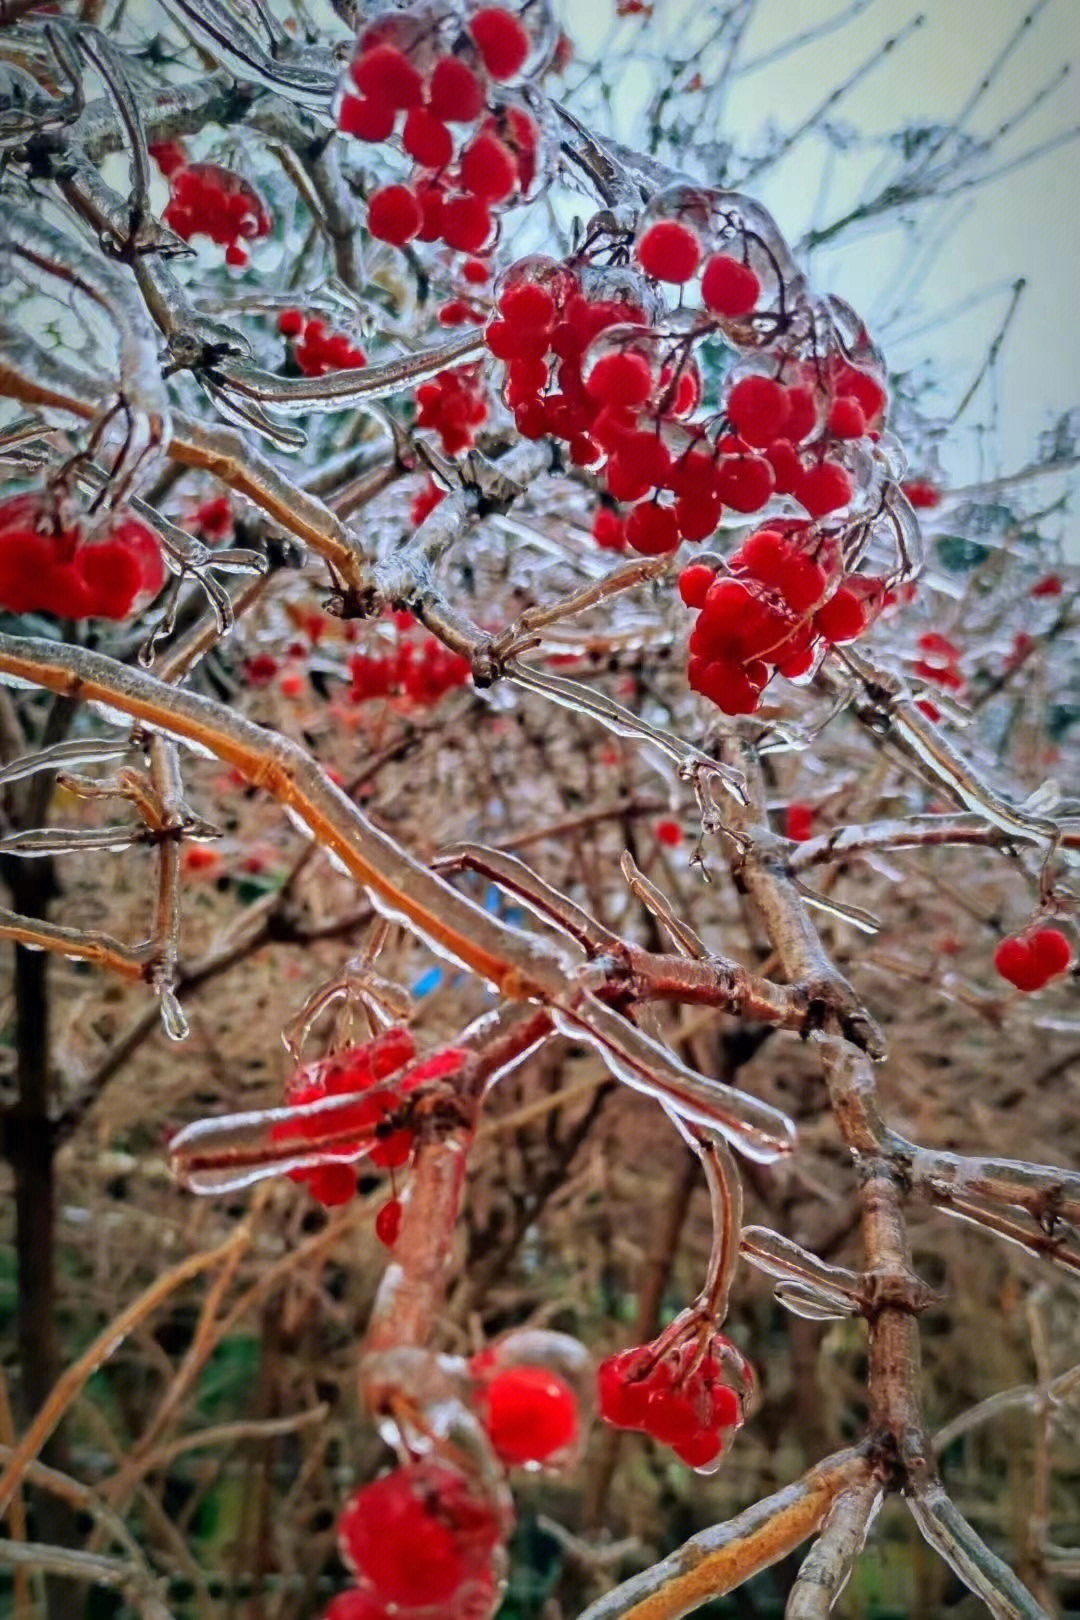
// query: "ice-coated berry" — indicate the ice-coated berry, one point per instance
point(455, 94)
point(728, 287)
point(394, 215)
point(502, 41)
point(386, 74)
point(669, 251)
point(530, 1414)
point(418, 1535)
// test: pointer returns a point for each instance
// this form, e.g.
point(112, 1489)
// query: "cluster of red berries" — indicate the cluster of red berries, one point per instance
point(316, 350)
point(780, 601)
point(624, 407)
point(455, 184)
point(826, 400)
point(208, 200)
point(679, 1395)
point(335, 1138)
point(47, 568)
point(200, 861)
point(546, 320)
point(530, 1412)
point(544, 323)
point(423, 671)
point(453, 404)
point(1030, 960)
point(421, 1541)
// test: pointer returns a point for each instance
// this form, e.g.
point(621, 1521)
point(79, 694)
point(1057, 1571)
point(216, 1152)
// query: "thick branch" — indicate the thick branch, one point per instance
point(719, 1559)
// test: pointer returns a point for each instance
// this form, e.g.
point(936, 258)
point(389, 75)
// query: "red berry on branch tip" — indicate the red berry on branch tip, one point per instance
point(530, 1414)
point(669, 251)
point(394, 215)
point(502, 41)
point(729, 288)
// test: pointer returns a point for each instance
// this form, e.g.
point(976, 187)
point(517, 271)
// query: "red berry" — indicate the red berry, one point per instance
point(367, 118)
point(802, 414)
point(1014, 961)
point(1050, 586)
point(418, 1535)
point(802, 584)
point(531, 419)
point(669, 251)
point(427, 140)
point(797, 656)
point(698, 515)
point(727, 685)
point(237, 255)
point(291, 322)
point(332, 1184)
point(386, 74)
point(466, 224)
point(430, 199)
point(454, 313)
point(113, 576)
point(625, 481)
point(528, 305)
point(394, 215)
point(729, 288)
point(669, 833)
point(758, 407)
point(841, 618)
point(528, 377)
point(620, 379)
point(652, 530)
point(1050, 951)
point(609, 530)
point(746, 482)
point(695, 475)
point(455, 94)
point(501, 40)
point(849, 381)
point(530, 1414)
point(783, 458)
point(799, 822)
point(695, 583)
point(823, 489)
point(845, 419)
point(476, 271)
point(765, 555)
point(170, 156)
point(612, 425)
point(584, 451)
point(921, 492)
point(623, 1393)
point(649, 455)
point(488, 169)
point(939, 648)
point(388, 1222)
